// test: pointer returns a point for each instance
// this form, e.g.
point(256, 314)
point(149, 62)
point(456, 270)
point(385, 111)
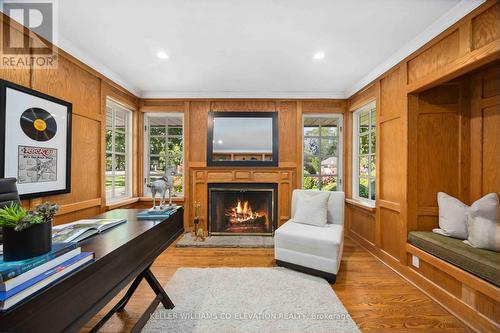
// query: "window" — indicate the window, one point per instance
point(164, 148)
point(364, 163)
point(322, 152)
point(118, 151)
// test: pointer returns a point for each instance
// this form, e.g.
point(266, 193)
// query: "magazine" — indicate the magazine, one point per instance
point(81, 229)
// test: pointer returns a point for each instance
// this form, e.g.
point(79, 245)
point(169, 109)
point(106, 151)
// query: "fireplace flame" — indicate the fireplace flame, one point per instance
point(242, 213)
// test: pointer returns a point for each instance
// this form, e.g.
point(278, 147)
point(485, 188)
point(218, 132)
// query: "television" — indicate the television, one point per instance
point(242, 139)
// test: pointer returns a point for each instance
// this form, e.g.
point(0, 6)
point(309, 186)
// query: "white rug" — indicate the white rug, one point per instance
point(235, 300)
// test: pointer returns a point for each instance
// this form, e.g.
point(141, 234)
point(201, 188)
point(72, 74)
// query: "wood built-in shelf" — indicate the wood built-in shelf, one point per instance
point(284, 177)
point(249, 156)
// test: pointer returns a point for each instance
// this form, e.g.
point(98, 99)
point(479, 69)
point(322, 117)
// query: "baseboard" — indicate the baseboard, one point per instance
point(462, 311)
point(330, 277)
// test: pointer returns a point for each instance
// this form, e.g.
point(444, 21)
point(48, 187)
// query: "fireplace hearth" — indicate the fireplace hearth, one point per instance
point(242, 209)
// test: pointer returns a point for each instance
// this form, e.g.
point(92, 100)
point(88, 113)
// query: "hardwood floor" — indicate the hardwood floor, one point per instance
point(377, 298)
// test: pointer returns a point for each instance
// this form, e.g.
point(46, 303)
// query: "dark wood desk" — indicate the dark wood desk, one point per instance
point(122, 255)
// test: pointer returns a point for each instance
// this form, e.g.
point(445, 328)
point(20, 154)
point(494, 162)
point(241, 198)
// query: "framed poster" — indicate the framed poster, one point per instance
point(35, 141)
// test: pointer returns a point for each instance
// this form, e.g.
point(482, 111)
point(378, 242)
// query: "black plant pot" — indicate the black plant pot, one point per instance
point(28, 243)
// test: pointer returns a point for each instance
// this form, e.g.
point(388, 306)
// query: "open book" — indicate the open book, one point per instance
point(81, 229)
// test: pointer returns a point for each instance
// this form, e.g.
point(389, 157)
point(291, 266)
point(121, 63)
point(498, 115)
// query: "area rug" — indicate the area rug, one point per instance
point(221, 300)
point(187, 240)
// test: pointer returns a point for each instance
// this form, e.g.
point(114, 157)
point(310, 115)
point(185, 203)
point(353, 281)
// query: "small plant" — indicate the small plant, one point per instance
point(18, 218)
point(10, 215)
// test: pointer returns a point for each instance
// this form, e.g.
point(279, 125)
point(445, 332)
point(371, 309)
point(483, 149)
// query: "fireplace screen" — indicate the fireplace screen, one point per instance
point(237, 209)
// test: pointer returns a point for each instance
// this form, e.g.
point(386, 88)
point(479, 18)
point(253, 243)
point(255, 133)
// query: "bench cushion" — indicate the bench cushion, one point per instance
point(482, 263)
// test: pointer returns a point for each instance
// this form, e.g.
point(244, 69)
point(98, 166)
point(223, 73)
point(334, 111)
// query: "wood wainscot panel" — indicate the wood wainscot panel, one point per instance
point(85, 162)
point(73, 84)
point(287, 132)
point(486, 27)
point(434, 58)
point(266, 177)
point(390, 160)
point(243, 105)
point(392, 94)
point(441, 278)
point(362, 223)
point(438, 156)
point(220, 176)
point(198, 118)
point(323, 106)
point(485, 133)
point(390, 230)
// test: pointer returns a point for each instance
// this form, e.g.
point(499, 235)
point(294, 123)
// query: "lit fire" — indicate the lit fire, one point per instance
point(242, 213)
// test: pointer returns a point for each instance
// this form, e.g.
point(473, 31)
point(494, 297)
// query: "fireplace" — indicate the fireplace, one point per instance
point(242, 209)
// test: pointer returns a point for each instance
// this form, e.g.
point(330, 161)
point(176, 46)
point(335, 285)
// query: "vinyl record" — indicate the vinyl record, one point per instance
point(38, 124)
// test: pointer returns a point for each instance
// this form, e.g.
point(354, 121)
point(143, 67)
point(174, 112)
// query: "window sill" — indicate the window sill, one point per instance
point(360, 204)
point(121, 202)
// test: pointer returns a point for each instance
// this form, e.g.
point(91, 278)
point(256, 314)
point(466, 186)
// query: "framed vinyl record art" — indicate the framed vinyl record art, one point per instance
point(35, 141)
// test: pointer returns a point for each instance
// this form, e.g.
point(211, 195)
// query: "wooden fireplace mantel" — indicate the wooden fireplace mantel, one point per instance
point(200, 177)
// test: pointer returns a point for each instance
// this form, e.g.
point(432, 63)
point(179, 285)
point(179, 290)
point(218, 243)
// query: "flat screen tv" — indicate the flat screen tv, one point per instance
point(242, 139)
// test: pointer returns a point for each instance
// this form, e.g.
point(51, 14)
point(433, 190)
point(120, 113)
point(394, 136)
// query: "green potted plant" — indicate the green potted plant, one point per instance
point(27, 233)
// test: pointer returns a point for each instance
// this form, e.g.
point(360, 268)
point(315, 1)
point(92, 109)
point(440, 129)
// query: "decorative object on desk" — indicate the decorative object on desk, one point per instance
point(36, 146)
point(27, 234)
point(161, 186)
point(157, 214)
point(81, 229)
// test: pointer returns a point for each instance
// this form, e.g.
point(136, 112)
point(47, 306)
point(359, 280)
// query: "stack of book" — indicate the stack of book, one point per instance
point(21, 279)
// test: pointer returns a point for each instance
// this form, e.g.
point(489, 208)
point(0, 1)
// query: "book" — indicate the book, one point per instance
point(79, 230)
point(150, 214)
point(11, 269)
point(17, 280)
point(28, 288)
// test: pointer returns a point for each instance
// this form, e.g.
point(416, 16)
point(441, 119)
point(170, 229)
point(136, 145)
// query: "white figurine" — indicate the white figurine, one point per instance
point(161, 186)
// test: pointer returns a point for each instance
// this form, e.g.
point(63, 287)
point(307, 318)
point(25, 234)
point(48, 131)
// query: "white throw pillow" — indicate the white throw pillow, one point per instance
point(483, 233)
point(312, 209)
point(452, 213)
point(452, 217)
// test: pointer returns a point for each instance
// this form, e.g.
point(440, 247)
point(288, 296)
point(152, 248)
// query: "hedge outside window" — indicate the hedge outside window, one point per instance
point(364, 160)
point(118, 149)
point(321, 152)
point(164, 148)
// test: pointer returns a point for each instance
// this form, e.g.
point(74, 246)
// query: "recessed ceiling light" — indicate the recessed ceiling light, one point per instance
point(162, 55)
point(319, 55)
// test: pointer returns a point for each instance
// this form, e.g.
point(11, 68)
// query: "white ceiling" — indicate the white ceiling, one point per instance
point(242, 48)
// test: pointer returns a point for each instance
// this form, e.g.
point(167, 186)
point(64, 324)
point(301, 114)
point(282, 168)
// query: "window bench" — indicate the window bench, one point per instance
point(482, 263)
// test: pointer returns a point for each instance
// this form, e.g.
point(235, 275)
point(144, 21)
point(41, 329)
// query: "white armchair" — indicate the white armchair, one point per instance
point(312, 249)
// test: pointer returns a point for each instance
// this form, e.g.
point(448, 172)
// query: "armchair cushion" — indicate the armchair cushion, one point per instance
point(312, 209)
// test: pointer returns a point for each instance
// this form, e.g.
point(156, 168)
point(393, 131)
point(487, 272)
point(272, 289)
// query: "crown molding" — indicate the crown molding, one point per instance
point(92, 62)
point(245, 94)
point(463, 8)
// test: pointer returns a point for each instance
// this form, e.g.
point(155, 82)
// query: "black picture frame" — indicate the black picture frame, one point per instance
point(210, 135)
point(3, 112)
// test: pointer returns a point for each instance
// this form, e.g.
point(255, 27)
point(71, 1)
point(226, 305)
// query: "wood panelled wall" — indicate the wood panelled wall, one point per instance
point(438, 129)
point(87, 90)
point(197, 175)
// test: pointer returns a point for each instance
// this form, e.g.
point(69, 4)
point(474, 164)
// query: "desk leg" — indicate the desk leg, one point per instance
point(161, 296)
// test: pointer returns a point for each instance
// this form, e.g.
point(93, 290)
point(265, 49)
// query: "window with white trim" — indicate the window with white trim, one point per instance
point(164, 148)
point(118, 175)
point(322, 152)
point(364, 159)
